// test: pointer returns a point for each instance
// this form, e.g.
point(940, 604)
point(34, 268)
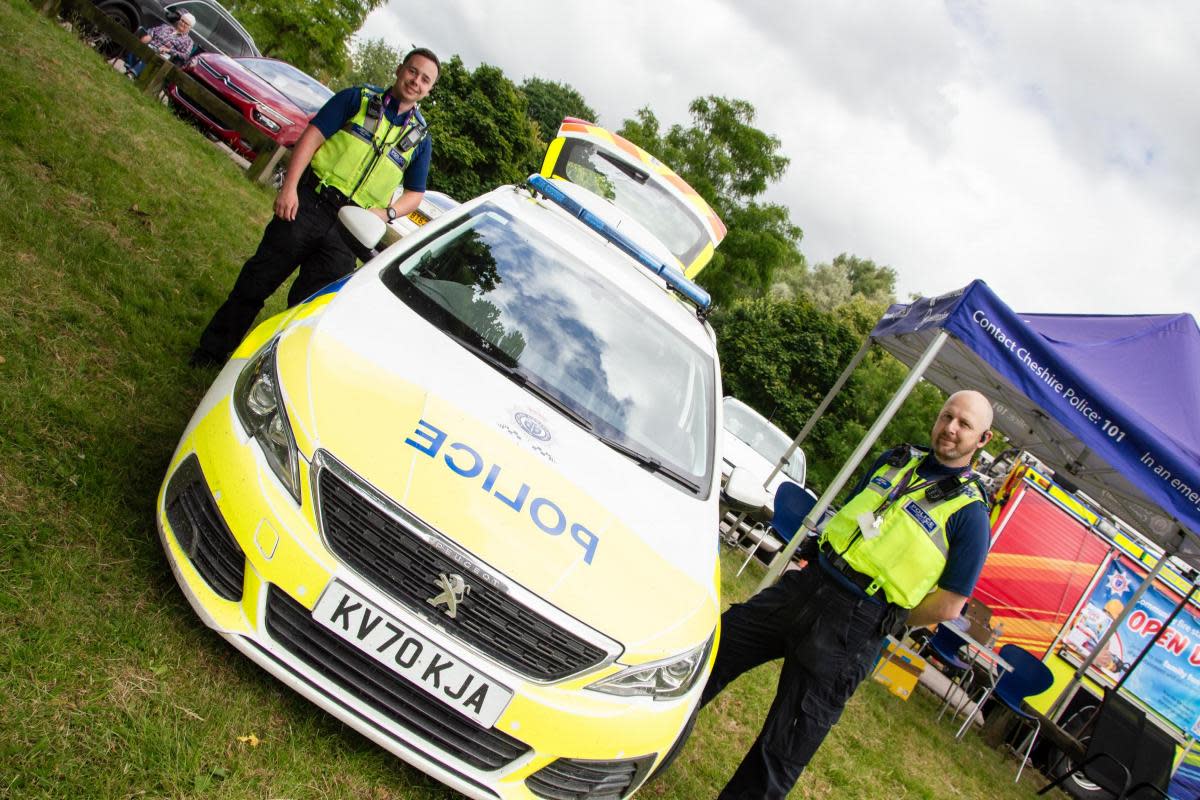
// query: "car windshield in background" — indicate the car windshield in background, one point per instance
point(631, 190)
point(763, 437)
point(536, 313)
point(302, 89)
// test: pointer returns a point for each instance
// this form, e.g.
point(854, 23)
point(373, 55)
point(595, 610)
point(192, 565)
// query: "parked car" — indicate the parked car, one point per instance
point(751, 442)
point(272, 95)
point(462, 499)
point(215, 31)
point(669, 212)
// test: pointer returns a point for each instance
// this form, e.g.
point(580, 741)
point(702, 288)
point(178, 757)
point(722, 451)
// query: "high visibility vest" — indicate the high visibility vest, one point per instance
point(366, 158)
point(906, 559)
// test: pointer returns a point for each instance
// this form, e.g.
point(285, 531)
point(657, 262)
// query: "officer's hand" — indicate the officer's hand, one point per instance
point(286, 203)
point(379, 212)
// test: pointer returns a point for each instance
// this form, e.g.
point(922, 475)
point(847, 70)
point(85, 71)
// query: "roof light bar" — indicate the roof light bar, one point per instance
point(671, 275)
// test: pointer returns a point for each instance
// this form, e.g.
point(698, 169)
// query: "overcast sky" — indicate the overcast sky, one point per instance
point(1049, 148)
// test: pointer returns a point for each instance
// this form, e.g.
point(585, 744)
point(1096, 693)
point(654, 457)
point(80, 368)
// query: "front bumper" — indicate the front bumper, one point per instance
point(253, 565)
point(212, 124)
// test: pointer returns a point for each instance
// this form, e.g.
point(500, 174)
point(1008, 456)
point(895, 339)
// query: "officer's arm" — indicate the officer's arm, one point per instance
point(406, 204)
point(938, 606)
point(287, 202)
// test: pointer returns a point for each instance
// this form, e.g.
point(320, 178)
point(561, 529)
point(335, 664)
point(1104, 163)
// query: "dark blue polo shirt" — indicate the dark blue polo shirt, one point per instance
point(344, 105)
point(968, 532)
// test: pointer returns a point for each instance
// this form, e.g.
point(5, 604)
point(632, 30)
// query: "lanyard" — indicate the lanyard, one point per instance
point(905, 486)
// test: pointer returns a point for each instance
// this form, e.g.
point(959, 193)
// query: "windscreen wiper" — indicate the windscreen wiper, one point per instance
point(649, 462)
point(484, 351)
point(637, 175)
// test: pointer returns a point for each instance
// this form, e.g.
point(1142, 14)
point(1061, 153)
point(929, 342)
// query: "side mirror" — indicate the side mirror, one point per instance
point(366, 228)
point(745, 493)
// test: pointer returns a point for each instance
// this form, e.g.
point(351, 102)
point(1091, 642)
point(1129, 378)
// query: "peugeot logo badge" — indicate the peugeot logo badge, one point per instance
point(454, 589)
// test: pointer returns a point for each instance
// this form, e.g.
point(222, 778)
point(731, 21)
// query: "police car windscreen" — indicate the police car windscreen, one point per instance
point(537, 312)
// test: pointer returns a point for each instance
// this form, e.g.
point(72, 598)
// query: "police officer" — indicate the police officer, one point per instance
point(906, 549)
point(358, 149)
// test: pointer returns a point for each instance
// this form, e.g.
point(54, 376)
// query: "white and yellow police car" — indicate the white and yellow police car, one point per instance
point(636, 182)
point(463, 499)
point(682, 226)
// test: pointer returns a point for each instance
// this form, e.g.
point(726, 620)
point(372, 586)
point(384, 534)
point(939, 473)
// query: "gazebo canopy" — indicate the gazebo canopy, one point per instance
point(1111, 403)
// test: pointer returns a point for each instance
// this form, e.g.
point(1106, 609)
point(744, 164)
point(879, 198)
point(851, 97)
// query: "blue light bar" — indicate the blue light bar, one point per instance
point(674, 278)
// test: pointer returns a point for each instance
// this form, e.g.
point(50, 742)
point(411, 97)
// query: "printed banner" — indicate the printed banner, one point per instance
point(1168, 678)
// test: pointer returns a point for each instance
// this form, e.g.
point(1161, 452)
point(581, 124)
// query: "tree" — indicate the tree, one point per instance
point(761, 238)
point(549, 102)
point(372, 62)
point(782, 356)
point(482, 136)
point(835, 284)
point(729, 163)
point(875, 283)
point(310, 34)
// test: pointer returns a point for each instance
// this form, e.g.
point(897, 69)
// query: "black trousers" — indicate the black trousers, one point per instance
point(312, 241)
point(828, 639)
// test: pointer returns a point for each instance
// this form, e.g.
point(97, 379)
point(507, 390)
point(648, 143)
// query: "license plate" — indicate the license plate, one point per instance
point(418, 217)
point(424, 664)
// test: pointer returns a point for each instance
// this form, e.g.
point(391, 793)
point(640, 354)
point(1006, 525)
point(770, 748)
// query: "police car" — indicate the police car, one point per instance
point(462, 500)
point(672, 219)
point(639, 185)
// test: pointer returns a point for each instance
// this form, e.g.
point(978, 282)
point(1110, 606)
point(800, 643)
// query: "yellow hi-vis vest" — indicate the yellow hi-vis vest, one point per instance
point(906, 559)
point(365, 159)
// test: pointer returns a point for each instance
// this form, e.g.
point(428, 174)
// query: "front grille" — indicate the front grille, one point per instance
point(577, 778)
point(202, 533)
point(199, 110)
point(292, 626)
point(399, 562)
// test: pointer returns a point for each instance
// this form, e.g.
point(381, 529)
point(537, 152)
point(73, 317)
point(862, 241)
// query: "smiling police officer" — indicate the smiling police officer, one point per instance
point(906, 548)
point(359, 148)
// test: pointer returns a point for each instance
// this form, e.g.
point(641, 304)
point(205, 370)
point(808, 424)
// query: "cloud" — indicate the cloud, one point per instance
point(1046, 148)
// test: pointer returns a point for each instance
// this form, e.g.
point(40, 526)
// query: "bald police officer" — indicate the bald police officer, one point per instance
point(906, 549)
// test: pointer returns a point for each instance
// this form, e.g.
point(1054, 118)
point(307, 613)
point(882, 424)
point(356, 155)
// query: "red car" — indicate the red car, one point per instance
point(274, 96)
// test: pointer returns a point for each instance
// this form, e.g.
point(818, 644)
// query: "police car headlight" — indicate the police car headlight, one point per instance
point(259, 406)
point(662, 680)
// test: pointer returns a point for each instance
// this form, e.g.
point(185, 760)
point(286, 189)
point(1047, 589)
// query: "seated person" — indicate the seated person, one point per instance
point(169, 41)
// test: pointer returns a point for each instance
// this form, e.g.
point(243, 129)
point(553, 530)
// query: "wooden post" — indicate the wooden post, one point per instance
point(151, 81)
point(263, 166)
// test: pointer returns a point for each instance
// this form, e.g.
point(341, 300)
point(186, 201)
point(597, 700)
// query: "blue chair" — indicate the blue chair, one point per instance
point(1029, 676)
point(945, 644)
point(791, 505)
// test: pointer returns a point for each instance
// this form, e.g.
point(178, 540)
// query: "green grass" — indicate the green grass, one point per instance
point(121, 229)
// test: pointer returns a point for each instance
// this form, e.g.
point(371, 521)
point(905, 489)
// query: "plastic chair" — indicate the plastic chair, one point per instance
point(1029, 676)
point(1124, 747)
point(792, 503)
point(945, 644)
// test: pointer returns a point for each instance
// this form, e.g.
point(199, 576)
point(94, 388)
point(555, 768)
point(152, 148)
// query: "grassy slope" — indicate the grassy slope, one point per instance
point(120, 233)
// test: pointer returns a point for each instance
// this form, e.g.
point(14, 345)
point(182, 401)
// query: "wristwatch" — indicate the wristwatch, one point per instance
point(391, 214)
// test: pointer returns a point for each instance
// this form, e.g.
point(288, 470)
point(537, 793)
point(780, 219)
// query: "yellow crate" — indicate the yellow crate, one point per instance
point(900, 672)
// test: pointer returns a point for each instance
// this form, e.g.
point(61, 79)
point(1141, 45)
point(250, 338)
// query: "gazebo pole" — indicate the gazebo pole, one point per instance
point(816, 415)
